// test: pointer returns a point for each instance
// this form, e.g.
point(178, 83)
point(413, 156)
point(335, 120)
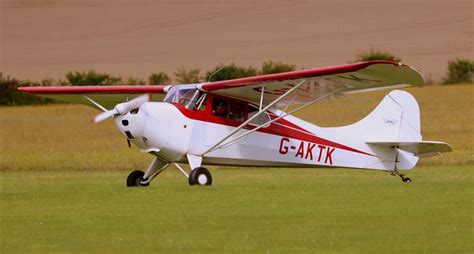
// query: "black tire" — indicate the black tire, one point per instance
point(200, 176)
point(134, 179)
point(406, 180)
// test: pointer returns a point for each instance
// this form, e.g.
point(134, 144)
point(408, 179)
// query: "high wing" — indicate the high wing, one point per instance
point(106, 96)
point(349, 78)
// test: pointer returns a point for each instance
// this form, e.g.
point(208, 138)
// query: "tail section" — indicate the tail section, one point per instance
point(392, 131)
point(395, 125)
point(395, 119)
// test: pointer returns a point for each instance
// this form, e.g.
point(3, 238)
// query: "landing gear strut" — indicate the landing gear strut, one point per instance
point(404, 179)
point(198, 176)
point(140, 178)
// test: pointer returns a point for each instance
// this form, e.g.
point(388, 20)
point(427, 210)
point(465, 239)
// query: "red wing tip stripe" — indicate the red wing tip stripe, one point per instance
point(92, 89)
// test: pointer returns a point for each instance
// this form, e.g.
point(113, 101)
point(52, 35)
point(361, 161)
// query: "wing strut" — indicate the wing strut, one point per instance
point(95, 103)
point(254, 116)
point(261, 99)
point(276, 119)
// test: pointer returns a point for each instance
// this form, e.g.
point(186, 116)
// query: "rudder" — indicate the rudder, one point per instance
point(395, 119)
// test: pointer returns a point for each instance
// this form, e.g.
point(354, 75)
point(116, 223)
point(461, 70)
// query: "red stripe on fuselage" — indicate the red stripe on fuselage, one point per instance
point(281, 127)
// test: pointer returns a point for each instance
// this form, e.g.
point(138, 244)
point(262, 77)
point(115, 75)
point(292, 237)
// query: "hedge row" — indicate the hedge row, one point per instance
point(459, 71)
point(9, 94)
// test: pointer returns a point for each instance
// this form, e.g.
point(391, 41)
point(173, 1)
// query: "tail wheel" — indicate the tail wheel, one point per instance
point(200, 176)
point(135, 178)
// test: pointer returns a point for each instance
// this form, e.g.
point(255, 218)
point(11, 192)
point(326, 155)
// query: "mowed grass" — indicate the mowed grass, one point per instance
point(63, 190)
point(246, 210)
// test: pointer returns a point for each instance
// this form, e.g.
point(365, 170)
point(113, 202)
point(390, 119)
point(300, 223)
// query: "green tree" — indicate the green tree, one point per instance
point(377, 55)
point(185, 76)
point(270, 67)
point(132, 81)
point(460, 71)
point(230, 71)
point(159, 78)
point(10, 95)
point(91, 78)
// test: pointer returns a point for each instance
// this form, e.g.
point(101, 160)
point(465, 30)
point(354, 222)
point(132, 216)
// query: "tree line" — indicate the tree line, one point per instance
point(459, 71)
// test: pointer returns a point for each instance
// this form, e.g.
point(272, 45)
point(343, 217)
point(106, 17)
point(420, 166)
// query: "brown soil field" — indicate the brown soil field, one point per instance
point(47, 38)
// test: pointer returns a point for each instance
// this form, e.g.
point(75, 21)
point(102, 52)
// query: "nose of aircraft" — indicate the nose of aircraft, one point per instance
point(132, 125)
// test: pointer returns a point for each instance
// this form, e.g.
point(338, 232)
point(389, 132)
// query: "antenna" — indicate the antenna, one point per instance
point(218, 70)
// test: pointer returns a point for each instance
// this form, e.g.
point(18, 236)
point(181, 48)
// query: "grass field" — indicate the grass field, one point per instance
point(250, 210)
point(63, 190)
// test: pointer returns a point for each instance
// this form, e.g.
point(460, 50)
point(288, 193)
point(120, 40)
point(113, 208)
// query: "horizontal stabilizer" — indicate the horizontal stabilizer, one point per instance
point(420, 149)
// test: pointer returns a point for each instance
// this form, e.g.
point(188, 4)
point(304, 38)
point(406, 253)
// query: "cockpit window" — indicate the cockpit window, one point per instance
point(184, 97)
point(181, 96)
point(188, 97)
point(228, 109)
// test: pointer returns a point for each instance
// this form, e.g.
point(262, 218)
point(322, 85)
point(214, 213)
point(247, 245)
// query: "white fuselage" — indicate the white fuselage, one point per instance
point(164, 130)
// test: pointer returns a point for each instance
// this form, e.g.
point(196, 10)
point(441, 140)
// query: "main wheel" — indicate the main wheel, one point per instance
point(200, 176)
point(406, 180)
point(135, 178)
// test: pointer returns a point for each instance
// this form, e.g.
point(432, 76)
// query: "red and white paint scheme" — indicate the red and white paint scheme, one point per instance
point(247, 121)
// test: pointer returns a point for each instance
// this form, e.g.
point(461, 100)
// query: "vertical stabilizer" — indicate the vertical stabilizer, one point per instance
point(396, 119)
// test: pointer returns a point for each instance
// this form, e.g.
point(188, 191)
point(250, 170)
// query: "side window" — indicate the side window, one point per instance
point(236, 111)
point(227, 109)
point(261, 119)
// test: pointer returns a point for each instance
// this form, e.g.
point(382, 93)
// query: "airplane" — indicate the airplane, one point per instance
point(249, 121)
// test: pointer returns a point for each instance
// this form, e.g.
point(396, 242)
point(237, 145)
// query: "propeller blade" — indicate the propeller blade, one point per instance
point(105, 115)
point(128, 142)
point(122, 108)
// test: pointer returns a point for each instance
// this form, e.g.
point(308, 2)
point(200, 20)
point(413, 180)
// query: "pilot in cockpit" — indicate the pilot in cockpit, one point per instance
point(222, 109)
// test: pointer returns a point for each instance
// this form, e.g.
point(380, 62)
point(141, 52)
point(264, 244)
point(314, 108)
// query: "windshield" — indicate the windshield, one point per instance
point(187, 96)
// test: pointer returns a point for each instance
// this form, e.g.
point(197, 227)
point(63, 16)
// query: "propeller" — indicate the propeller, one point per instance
point(122, 108)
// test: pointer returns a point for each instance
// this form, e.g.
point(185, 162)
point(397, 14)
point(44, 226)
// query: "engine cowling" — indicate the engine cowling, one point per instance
point(157, 127)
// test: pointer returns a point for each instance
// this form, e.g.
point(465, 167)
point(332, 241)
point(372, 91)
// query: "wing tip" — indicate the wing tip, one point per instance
point(24, 89)
point(93, 89)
